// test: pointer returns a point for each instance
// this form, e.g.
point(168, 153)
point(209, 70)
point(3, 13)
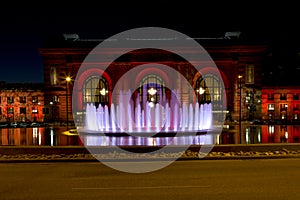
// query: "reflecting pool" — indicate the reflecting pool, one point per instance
point(52, 136)
point(37, 136)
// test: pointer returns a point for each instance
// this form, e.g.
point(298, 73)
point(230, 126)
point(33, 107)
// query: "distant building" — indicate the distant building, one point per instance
point(22, 102)
point(281, 103)
point(234, 57)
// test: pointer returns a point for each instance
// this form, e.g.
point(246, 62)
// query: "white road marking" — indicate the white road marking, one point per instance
point(146, 187)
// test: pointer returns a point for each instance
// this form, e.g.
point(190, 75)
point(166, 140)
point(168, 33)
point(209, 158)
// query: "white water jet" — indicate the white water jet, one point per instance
point(191, 117)
point(113, 118)
point(138, 118)
point(157, 118)
point(127, 116)
point(196, 118)
point(167, 118)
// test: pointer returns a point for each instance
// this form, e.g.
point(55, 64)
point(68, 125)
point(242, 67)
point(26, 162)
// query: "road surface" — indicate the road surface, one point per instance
point(194, 179)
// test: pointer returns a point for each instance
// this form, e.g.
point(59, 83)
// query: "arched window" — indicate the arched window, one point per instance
point(53, 76)
point(95, 90)
point(151, 89)
point(209, 88)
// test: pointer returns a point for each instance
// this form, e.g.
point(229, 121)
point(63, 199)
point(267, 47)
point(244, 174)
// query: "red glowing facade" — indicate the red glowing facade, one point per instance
point(281, 103)
point(22, 102)
point(232, 57)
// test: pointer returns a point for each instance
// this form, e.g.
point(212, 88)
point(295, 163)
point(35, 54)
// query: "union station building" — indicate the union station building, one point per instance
point(236, 82)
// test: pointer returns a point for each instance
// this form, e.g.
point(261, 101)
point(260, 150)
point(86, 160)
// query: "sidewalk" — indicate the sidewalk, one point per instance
point(80, 153)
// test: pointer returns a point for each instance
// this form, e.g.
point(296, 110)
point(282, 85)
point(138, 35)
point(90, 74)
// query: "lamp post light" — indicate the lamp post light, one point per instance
point(51, 105)
point(68, 79)
point(240, 110)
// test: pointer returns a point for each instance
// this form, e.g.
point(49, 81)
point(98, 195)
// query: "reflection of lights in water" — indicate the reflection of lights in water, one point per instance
point(259, 136)
point(40, 138)
point(51, 137)
point(271, 129)
point(247, 135)
point(286, 135)
point(205, 139)
point(218, 138)
point(36, 135)
point(97, 141)
point(139, 141)
point(152, 142)
point(34, 132)
point(130, 141)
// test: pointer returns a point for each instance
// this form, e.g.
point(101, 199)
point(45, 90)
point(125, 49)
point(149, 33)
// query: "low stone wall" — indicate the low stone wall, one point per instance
point(48, 150)
point(80, 153)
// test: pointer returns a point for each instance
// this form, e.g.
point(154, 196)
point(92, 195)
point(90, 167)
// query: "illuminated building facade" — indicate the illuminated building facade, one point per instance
point(233, 57)
point(281, 103)
point(22, 102)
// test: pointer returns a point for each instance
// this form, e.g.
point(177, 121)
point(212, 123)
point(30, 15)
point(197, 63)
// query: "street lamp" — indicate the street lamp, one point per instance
point(240, 114)
point(68, 79)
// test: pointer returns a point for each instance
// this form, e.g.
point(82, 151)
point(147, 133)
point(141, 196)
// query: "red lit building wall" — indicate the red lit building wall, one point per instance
point(281, 103)
point(231, 58)
point(21, 105)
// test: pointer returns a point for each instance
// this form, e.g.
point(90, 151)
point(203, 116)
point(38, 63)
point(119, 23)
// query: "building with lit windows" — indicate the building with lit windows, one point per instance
point(281, 103)
point(20, 102)
point(234, 57)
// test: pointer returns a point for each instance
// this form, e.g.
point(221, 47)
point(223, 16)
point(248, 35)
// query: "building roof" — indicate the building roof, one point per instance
point(281, 63)
point(211, 39)
point(21, 86)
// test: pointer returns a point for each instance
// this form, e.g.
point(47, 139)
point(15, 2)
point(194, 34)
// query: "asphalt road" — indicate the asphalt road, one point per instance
point(195, 179)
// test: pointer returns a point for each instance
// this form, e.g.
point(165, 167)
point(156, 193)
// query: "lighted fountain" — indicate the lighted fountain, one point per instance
point(164, 117)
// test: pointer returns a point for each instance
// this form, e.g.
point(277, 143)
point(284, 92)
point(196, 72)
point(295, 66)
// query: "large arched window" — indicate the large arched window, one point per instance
point(151, 89)
point(209, 88)
point(95, 90)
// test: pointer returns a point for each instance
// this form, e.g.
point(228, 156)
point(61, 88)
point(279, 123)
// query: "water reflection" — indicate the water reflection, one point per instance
point(36, 136)
point(90, 140)
point(255, 134)
point(49, 136)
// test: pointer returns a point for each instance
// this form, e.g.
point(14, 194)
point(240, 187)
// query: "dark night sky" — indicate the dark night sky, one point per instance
point(24, 28)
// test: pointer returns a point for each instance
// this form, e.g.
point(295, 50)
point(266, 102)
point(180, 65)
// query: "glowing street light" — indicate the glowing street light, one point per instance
point(68, 79)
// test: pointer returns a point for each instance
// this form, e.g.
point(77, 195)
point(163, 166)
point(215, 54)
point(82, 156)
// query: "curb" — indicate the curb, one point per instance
point(38, 154)
point(48, 150)
point(42, 154)
point(143, 159)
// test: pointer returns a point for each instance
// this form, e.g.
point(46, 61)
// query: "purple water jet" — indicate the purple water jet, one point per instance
point(125, 116)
